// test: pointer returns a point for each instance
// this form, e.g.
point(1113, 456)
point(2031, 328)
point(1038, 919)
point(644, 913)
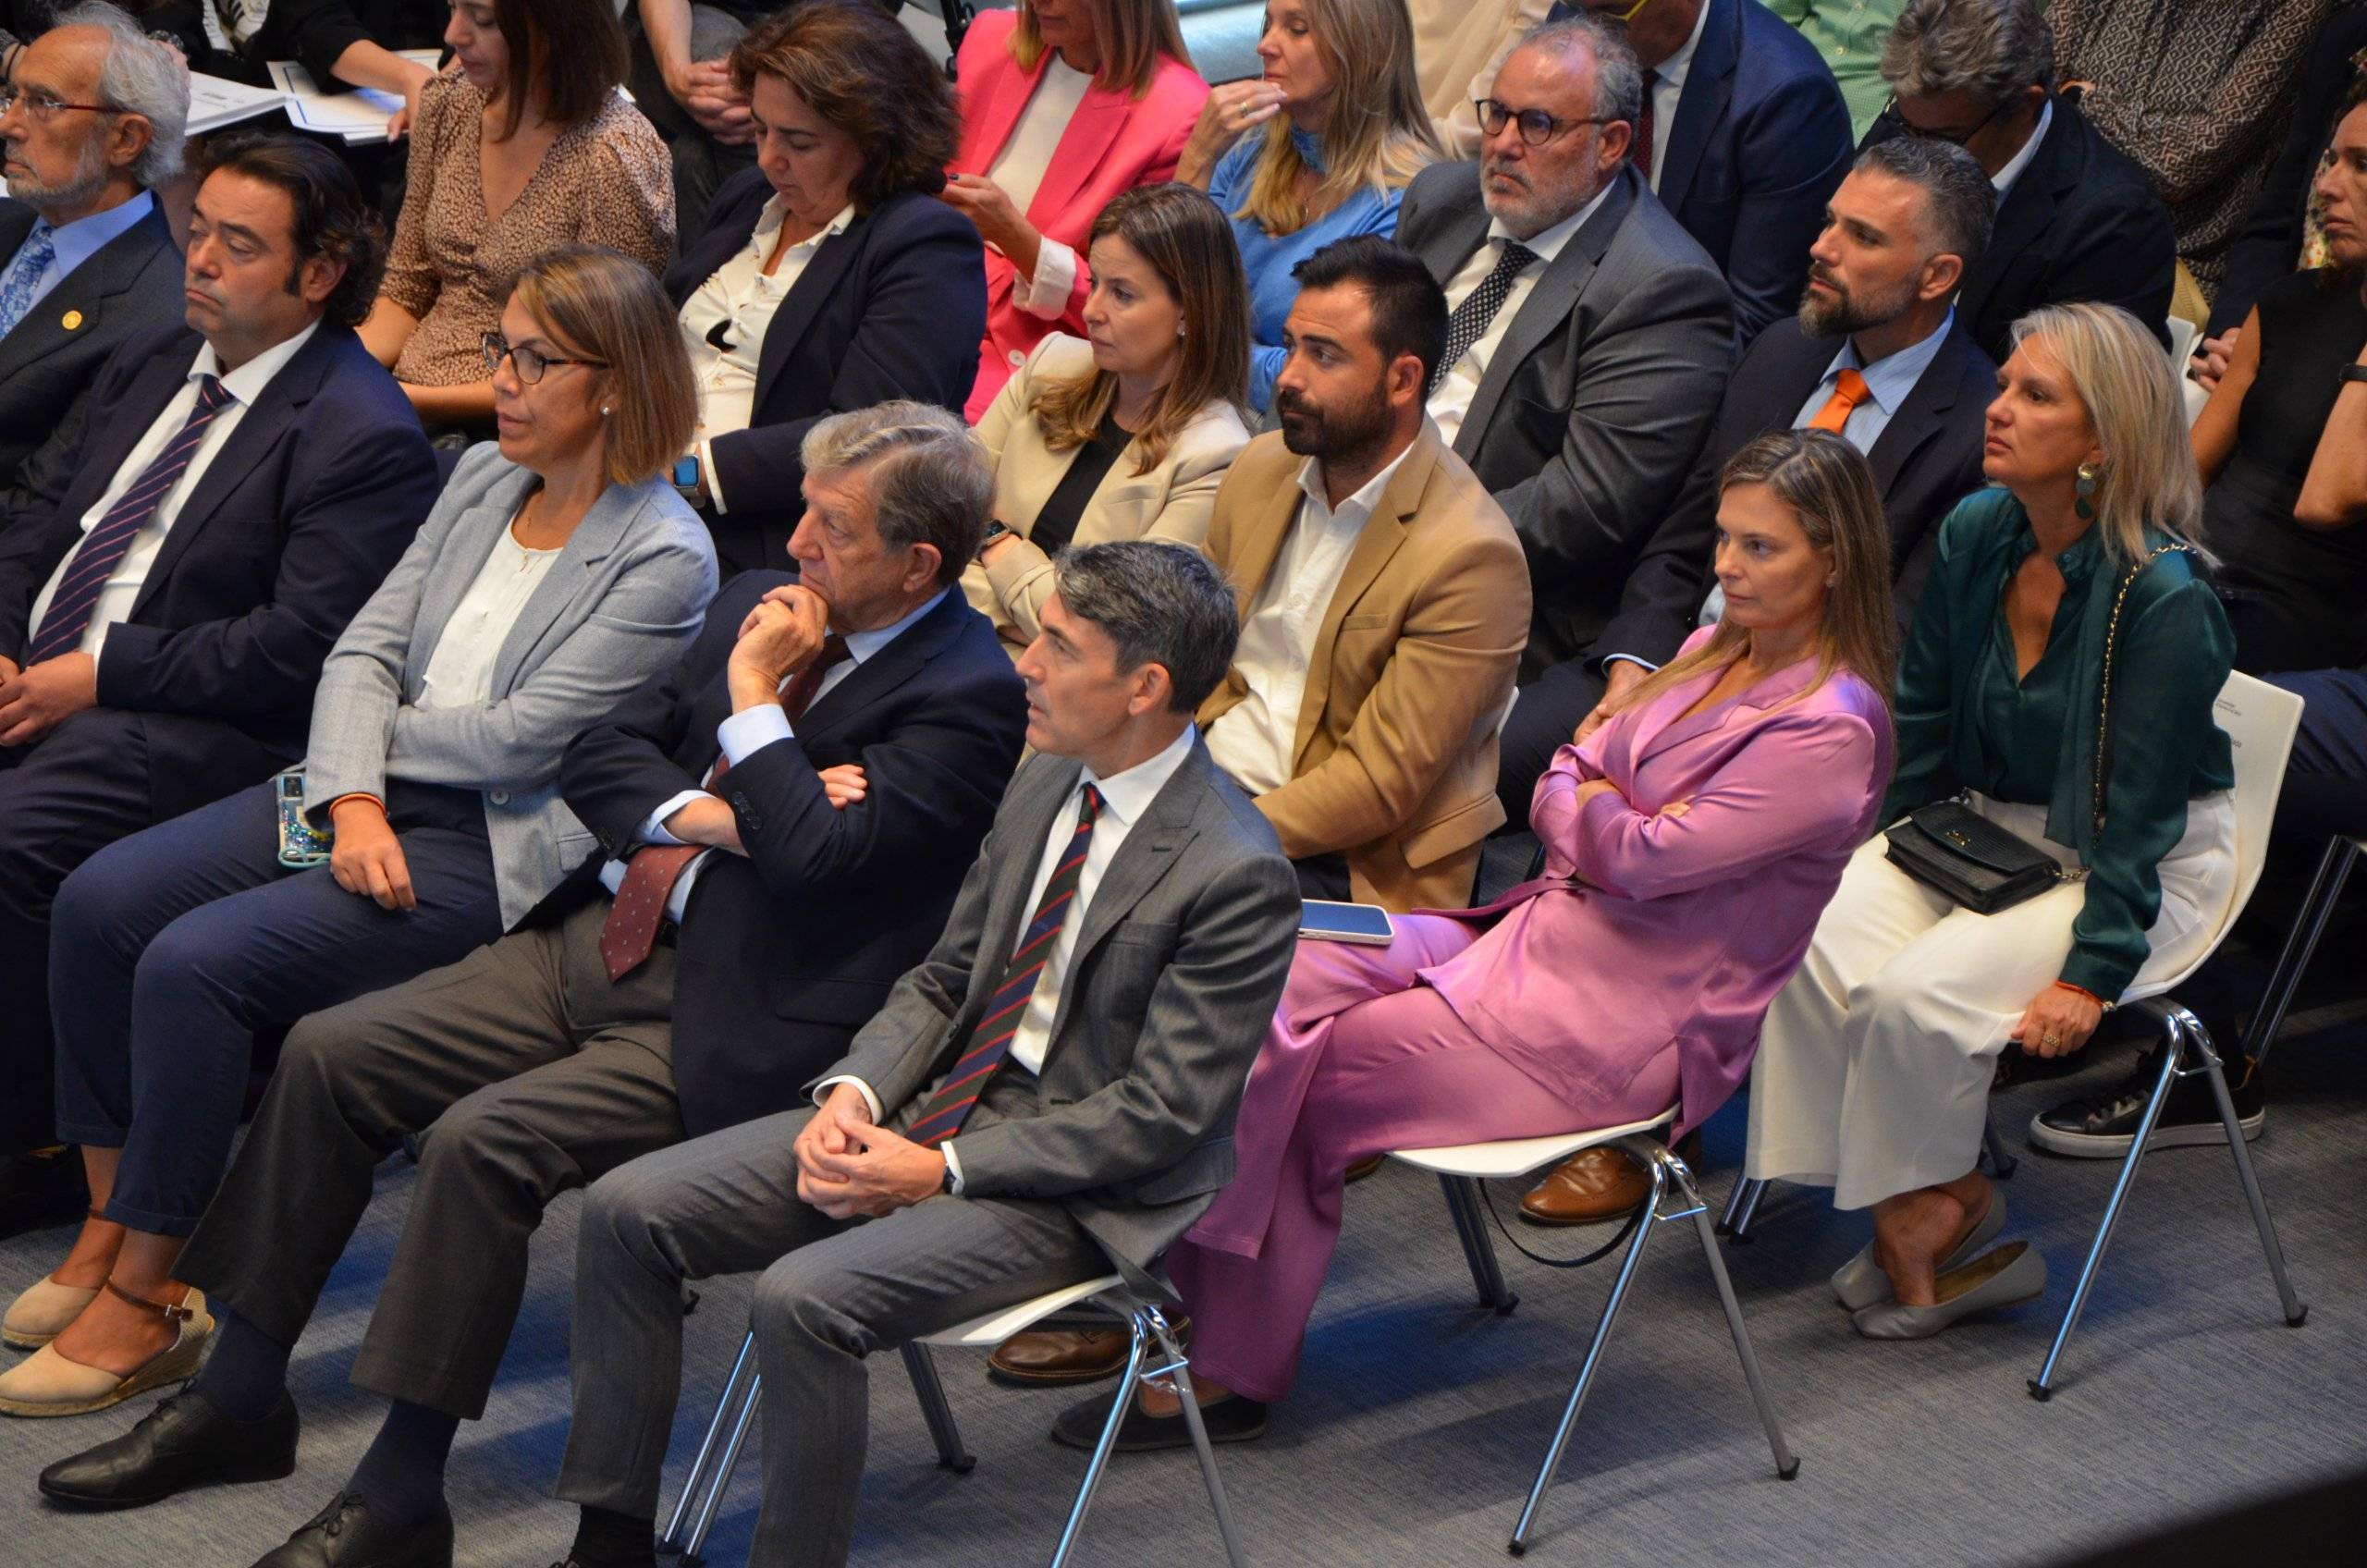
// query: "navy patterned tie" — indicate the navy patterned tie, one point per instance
point(103, 547)
point(1468, 323)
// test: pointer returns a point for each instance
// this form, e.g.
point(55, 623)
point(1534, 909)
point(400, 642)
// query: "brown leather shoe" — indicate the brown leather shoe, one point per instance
point(1594, 1186)
point(1059, 1355)
point(1364, 1168)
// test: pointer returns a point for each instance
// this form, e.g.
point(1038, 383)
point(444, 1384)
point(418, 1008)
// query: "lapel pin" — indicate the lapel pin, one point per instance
point(71, 320)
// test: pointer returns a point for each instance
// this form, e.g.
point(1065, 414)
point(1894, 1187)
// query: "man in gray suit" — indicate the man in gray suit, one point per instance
point(1591, 335)
point(1047, 1096)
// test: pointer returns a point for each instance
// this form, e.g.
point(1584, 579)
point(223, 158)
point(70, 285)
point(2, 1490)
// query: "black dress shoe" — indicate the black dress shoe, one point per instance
point(183, 1442)
point(344, 1535)
point(1231, 1420)
point(2103, 1125)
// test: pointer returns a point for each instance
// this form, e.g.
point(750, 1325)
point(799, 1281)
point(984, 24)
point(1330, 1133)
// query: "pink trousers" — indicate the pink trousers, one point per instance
point(1361, 1059)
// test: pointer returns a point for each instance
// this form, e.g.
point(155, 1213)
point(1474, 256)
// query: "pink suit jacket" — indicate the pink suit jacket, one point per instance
point(1114, 142)
point(1676, 929)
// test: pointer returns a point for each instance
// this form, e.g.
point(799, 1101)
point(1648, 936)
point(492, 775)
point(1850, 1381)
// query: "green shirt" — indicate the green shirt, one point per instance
point(1848, 34)
point(1967, 720)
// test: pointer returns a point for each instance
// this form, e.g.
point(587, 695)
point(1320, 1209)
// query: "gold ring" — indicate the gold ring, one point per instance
point(2050, 1038)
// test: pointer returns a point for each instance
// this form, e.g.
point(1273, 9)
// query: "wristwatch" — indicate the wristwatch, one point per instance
point(946, 1186)
point(995, 530)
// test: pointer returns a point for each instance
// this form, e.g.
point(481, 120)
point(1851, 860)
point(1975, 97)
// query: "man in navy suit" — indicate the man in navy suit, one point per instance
point(786, 817)
point(1744, 134)
point(236, 489)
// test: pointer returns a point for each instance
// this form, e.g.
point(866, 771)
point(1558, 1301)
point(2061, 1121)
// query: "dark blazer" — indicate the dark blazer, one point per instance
point(1597, 400)
point(784, 954)
point(1927, 459)
point(879, 313)
point(2082, 223)
point(1761, 142)
point(129, 284)
point(295, 522)
point(1170, 989)
point(2268, 246)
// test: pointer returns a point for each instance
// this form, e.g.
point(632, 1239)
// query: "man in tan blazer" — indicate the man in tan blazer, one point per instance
point(1384, 600)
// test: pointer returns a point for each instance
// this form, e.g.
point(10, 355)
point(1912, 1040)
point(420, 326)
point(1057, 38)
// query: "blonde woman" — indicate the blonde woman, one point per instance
point(1339, 129)
point(1126, 433)
point(1873, 1073)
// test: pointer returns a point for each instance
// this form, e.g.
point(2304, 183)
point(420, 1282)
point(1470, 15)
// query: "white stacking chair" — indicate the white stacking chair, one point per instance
point(1673, 1198)
point(1102, 1298)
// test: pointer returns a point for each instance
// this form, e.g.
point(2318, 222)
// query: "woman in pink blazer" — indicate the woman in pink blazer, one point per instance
point(1064, 104)
point(1691, 841)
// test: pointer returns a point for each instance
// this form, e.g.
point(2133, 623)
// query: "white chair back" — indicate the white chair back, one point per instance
point(2261, 720)
point(2182, 336)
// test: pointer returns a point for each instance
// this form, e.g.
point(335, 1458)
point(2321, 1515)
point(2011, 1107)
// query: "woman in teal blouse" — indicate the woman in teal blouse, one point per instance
point(1343, 130)
point(1874, 1067)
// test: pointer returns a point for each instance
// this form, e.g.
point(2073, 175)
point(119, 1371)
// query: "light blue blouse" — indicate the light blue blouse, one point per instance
point(1268, 258)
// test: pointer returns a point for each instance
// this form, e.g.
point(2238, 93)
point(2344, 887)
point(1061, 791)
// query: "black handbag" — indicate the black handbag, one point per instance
point(1949, 846)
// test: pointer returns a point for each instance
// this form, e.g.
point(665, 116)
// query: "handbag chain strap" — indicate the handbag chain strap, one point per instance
point(2112, 640)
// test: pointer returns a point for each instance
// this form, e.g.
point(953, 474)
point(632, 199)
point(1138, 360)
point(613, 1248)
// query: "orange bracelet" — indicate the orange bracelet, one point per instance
point(355, 795)
point(2082, 990)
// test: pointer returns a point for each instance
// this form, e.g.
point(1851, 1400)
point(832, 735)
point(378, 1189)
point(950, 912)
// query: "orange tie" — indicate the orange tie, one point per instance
point(1848, 393)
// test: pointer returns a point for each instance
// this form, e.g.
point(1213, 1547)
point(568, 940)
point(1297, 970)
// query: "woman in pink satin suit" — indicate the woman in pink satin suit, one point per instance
point(1692, 838)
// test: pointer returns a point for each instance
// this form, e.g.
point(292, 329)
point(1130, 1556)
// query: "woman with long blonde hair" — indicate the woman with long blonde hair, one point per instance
point(1690, 842)
point(2059, 681)
point(1317, 148)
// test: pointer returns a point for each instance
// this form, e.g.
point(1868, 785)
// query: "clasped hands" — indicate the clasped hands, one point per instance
point(705, 90)
point(850, 1168)
point(36, 700)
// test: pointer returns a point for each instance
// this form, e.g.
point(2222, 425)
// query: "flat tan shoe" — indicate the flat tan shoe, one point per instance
point(48, 1384)
point(42, 1312)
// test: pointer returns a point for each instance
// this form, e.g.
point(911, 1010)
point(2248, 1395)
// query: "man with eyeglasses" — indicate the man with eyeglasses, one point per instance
point(1589, 334)
point(1742, 134)
point(2076, 219)
point(91, 118)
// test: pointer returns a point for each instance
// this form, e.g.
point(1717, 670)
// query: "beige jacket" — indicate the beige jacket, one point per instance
point(1170, 502)
point(1395, 762)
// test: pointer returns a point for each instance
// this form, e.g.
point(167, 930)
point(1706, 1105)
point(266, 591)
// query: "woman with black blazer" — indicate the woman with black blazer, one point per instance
point(830, 277)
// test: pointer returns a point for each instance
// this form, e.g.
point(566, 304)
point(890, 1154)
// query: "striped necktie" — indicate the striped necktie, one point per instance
point(990, 1040)
point(17, 284)
point(103, 550)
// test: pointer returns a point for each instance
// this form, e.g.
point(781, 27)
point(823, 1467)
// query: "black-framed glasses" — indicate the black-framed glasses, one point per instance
point(1537, 127)
point(529, 363)
point(46, 106)
point(1906, 127)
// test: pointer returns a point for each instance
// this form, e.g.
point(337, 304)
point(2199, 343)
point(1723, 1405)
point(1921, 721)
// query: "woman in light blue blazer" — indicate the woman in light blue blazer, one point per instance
point(554, 576)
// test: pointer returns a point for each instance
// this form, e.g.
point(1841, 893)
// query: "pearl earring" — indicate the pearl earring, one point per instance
point(606, 410)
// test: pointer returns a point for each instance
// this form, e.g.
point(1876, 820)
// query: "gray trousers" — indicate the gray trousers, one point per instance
point(831, 1293)
point(529, 1074)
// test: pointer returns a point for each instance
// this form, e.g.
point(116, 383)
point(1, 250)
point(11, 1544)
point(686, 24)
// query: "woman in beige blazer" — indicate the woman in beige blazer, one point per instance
point(1127, 432)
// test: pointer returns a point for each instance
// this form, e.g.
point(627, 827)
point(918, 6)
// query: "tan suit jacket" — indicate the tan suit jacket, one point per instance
point(1172, 502)
point(1395, 762)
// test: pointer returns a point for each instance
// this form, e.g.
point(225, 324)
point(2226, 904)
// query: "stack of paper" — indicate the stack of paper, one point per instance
point(359, 116)
point(214, 102)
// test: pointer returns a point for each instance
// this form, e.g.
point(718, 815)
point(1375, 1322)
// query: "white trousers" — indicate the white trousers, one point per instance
point(1874, 1065)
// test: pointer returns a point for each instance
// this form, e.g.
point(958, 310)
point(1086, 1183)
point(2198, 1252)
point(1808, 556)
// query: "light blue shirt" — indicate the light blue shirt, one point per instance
point(741, 736)
point(1268, 258)
point(81, 240)
point(1888, 379)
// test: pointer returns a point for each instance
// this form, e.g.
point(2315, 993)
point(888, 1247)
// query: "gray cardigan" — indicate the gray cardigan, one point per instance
point(624, 596)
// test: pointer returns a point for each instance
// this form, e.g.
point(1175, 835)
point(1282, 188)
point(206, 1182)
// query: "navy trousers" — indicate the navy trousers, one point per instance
point(170, 949)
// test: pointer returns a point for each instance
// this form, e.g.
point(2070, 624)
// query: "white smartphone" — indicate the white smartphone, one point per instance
point(1329, 922)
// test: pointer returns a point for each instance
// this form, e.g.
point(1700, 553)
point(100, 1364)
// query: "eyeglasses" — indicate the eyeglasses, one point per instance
point(44, 106)
point(1537, 127)
point(529, 363)
point(1952, 138)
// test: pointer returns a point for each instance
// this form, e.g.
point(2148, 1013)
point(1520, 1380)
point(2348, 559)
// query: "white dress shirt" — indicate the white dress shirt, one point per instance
point(244, 385)
point(742, 735)
point(1019, 169)
point(2004, 178)
point(77, 243)
point(1461, 382)
point(460, 672)
point(736, 304)
point(1255, 741)
point(1124, 797)
point(1668, 91)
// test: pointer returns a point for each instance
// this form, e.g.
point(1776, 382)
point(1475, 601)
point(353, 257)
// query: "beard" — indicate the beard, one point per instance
point(90, 174)
point(1329, 434)
point(1846, 312)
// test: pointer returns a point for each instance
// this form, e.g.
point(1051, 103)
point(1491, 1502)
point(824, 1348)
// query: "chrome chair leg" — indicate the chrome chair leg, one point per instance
point(2296, 1314)
point(1137, 1352)
point(1742, 1207)
point(1199, 1428)
point(2301, 943)
point(692, 1551)
point(1787, 1464)
point(943, 1429)
point(671, 1543)
point(1465, 1206)
point(1519, 1543)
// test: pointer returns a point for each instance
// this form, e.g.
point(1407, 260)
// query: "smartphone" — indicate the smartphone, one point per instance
point(300, 844)
point(1329, 922)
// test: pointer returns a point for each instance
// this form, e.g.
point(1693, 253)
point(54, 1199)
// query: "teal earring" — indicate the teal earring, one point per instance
point(2090, 475)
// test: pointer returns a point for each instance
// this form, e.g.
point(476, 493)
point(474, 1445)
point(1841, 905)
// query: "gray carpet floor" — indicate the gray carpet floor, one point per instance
point(1420, 1419)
